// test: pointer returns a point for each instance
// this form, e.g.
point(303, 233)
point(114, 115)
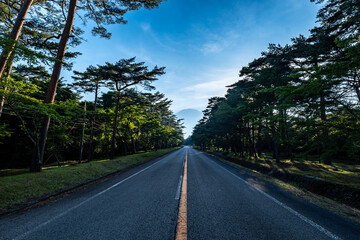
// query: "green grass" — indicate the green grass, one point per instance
point(20, 188)
point(347, 174)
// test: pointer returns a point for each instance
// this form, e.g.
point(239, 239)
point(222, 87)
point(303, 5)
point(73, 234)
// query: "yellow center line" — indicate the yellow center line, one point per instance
point(181, 229)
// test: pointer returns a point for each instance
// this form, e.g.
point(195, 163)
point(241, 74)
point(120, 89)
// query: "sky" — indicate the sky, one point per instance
point(202, 43)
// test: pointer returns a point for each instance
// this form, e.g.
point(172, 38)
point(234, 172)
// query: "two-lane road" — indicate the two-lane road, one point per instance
point(216, 202)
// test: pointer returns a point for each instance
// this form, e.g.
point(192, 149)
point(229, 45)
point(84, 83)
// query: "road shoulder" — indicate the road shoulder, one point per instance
point(44, 199)
point(343, 210)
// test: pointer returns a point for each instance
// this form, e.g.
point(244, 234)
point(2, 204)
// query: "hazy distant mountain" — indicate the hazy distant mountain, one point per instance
point(191, 117)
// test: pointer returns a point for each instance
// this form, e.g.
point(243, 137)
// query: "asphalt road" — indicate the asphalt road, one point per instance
point(221, 202)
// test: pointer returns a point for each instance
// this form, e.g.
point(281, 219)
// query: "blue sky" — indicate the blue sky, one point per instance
point(202, 43)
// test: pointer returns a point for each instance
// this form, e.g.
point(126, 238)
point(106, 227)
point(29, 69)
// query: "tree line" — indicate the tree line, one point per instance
point(298, 99)
point(37, 34)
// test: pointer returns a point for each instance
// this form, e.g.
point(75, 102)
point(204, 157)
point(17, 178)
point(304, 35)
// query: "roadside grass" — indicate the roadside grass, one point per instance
point(19, 188)
point(342, 173)
point(339, 208)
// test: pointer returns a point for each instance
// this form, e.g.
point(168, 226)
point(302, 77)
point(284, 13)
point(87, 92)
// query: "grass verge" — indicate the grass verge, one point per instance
point(21, 188)
point(347, 174)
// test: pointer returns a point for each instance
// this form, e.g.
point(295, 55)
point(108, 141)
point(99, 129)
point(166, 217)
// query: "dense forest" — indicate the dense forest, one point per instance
point(301, 99)
point(37, 40)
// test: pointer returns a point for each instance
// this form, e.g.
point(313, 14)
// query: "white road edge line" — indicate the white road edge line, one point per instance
point(83, 202)
point(302, 217)
point(177, 196)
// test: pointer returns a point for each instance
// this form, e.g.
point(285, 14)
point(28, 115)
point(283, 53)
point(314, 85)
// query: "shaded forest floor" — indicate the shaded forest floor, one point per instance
point(20, 186)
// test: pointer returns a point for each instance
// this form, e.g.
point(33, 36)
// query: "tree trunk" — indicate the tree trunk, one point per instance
point(147, 144)
point(14, 35)
point(256, 155)
point(50, 95)
point(91, 147)
point(7, 75)
point(288, 147)
point(133, 144)
point(115, 126)
point(259, 141)
point(240, 139)
point(274, 138)
point(325, 132)
point(357, 86)
point(82, 134)
point(249, 142)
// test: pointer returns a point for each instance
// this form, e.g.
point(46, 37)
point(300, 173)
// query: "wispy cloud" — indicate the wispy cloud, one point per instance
point(145, 26)
point(196, 95)
point(211, 88)
point(211, 42)
point(139, 52)
point(212, 47)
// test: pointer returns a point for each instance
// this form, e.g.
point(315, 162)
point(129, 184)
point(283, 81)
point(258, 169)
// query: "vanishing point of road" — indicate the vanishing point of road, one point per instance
point(183, 195)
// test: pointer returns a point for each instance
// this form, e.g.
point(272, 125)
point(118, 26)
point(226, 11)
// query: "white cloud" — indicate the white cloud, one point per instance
point(218, 43)
point(140, 53)
point(210, 88)
point(145, 26)
point(212, 47)
point(193, 94)
point(209, 41)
